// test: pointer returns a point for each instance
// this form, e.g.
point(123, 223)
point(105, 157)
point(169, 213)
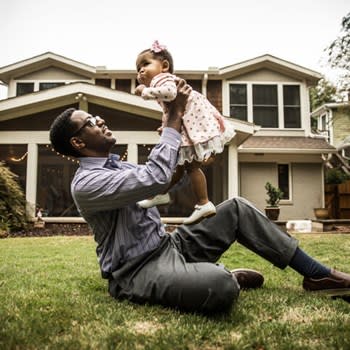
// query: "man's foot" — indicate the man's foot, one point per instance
point(336, 284)
point(159, 199)
point(248, 278)
point(200, 212)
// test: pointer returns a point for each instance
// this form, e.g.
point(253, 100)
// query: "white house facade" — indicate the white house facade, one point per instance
point(266, 99)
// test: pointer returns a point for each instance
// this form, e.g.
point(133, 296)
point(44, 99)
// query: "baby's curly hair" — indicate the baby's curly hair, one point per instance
point(60, 133)
point(162, 55)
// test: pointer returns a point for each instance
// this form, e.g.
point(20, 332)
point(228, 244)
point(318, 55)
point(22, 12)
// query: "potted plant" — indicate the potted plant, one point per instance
point(272, 210)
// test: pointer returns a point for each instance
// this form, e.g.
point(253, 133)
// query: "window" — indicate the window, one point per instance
point(46, 86)
point(238, 101)
point(291, 100)
point(123, 85)
point(283, 180)
point(103, 82)
point(24, 88)
point(268, 105)
point(265, 106)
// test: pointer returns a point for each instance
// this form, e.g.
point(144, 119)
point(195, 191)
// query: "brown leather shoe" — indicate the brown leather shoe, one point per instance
point(337, 283)
point(248, 278)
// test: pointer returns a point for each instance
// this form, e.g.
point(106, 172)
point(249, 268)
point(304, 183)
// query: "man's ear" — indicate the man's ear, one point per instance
point(165, 66)
point(77, 143)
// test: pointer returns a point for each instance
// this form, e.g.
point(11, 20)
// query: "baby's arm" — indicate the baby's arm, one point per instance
point(163, 89)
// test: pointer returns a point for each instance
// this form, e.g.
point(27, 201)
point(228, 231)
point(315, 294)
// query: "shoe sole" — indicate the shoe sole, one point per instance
point(200, 219)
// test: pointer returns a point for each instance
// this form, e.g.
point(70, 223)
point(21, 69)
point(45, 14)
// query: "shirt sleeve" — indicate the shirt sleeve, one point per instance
point(163, 88)
point(105, 189)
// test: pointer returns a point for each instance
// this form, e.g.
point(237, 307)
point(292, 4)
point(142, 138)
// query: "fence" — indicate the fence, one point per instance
point(337, 199)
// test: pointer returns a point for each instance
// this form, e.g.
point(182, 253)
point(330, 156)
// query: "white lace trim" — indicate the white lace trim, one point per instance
point(202, 151)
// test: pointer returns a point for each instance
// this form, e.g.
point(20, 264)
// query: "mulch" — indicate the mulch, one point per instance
point(53, 230)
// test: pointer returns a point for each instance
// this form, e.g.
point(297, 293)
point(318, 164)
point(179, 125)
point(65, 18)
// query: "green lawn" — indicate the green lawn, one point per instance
point(52, 297)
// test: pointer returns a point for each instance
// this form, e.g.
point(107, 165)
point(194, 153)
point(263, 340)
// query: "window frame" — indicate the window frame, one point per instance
point(280, 103)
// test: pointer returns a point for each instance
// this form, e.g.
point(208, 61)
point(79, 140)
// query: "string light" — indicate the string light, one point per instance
point(20, 158)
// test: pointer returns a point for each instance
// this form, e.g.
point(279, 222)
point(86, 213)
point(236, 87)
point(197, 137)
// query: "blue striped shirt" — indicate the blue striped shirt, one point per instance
point(105, 191)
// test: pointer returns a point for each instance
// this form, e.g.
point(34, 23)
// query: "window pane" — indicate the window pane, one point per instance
point(24, 88)
point(238, 112)
point(265, 95)
point(46, 86)
point(54, 177)
point(291, 99)
point(238, 101)
point(266, 117)
point(292, 117)
point(238, 94)
point(291, 95)
point(283, 179)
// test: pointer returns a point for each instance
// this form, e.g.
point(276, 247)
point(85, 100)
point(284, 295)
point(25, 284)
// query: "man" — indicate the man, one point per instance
point(143, 263)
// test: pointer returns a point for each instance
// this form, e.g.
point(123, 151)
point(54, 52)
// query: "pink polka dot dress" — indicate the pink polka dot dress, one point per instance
point(204, 131)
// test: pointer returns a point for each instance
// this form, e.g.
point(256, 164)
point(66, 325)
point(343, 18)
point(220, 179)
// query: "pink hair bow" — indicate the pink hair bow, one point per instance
point(156, 47)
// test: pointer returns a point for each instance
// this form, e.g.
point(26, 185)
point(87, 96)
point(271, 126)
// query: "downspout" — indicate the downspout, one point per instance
point(204, 84)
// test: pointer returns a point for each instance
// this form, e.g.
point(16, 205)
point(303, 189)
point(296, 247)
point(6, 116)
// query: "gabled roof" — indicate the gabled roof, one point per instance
point(43, 61)
point(60, 96)
point(271, 62)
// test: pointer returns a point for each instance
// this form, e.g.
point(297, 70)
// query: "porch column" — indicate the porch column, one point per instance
point(31, 179)
point(133, 153)
point(232, 171)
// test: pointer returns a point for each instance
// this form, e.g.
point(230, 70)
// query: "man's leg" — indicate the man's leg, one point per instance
point(165, 278)
point(236, 220)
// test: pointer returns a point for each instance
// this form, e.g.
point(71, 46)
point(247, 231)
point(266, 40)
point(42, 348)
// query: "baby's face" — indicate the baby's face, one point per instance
point(147, 68)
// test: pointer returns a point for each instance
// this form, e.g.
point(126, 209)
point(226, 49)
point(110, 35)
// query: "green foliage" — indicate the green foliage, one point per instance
point(338, 53)
point(60, 301)
point(335, 176)
point(324, 92)
point(274, 194)
point(12, 201)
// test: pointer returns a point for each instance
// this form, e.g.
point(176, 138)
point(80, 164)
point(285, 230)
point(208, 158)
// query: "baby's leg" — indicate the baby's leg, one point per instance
point(198, 182)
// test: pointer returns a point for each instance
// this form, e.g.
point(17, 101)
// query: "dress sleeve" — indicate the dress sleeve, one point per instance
point(163, 88)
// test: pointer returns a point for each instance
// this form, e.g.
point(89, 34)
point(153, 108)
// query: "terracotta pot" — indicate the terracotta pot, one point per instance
point(321, 213)
point(272, 213)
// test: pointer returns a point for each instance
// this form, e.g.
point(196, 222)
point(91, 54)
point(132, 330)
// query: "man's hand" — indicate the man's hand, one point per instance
point(176, 108)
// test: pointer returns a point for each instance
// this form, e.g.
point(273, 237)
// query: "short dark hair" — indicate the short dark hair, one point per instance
point(60, 133)
point(162, 55)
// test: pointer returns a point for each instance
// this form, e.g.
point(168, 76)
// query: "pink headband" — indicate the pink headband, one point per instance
point(156, 47)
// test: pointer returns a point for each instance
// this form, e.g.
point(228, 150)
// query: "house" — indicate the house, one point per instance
point(265, 98)
point(333, 121)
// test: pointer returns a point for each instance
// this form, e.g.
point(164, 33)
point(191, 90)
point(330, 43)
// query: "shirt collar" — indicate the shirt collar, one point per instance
point(100, 162)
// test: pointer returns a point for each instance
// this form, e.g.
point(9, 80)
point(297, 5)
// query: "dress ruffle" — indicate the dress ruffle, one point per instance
point(202, 151)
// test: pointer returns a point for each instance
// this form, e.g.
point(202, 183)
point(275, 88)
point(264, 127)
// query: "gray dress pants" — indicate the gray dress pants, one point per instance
point(182, 272)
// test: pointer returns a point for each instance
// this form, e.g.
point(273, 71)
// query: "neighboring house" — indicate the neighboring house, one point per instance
point(265, 98)
point(333, 121)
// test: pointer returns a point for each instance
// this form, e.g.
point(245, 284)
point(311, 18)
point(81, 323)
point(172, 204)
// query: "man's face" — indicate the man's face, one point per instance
point(92, 133)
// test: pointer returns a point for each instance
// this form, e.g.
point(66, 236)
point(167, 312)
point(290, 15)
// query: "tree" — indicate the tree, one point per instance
point(12, 202)
point(324, 92)
point(338, 53)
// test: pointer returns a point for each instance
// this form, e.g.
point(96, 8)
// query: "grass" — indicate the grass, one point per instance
point(53, 298)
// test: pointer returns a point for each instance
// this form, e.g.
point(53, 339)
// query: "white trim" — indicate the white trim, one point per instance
point(31, 178)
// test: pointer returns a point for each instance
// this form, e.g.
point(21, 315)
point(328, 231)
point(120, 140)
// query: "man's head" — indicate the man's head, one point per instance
point(79, 134)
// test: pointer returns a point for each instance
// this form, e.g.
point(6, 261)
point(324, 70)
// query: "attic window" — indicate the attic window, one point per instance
point(24, 88)
point(46, 86)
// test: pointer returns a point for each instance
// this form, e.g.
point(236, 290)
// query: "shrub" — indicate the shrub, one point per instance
point(335, 176)
point(274, 194)
point(12, 201)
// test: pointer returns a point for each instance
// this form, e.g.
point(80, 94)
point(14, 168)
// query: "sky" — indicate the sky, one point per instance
point(199, 34)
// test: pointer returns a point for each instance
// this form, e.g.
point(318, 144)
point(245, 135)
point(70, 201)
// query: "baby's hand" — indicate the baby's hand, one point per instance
point(139, 89)
point(160, 130)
